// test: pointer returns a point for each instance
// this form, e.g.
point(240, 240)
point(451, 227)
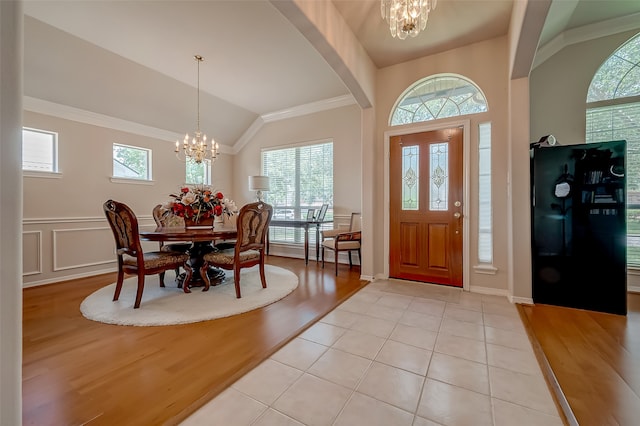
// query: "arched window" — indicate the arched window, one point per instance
point(438, 96)
point(613, 113)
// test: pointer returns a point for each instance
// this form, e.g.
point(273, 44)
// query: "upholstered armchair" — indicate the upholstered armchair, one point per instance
point(343, 240)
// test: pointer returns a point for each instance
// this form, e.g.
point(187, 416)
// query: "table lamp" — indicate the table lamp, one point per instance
point(259, 184)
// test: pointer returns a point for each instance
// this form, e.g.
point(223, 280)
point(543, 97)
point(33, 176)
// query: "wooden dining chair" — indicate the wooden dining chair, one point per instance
point(131, 258)
point(166, 219)
point(343, 240)
point(252, 224)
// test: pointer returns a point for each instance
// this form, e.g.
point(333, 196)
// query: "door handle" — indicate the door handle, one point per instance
point(457, 215)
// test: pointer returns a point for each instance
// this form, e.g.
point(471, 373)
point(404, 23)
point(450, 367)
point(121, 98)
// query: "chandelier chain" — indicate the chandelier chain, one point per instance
point(196, 149)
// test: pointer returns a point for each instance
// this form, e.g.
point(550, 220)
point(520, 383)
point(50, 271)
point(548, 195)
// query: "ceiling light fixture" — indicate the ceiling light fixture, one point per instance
point(196, 148)
point(406, 17)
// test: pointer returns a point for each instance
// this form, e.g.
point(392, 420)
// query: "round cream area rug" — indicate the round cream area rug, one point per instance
point(171, 305)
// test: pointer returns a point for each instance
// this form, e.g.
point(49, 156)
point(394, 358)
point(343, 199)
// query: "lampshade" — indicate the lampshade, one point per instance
point(258, 183)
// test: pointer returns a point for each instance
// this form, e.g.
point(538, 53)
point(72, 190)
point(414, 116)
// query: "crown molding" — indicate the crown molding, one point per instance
point(66, 112)
point(87, 117)
point(248, 135)
point(586, 33)
point(310, 108)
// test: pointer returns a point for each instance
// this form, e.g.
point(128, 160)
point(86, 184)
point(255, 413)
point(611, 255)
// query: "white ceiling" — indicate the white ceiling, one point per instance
point(133, 60)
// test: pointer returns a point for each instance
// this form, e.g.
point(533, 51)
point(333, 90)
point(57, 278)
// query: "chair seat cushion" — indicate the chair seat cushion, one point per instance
point(342, 245)
point(158, 259)
point(225, 257)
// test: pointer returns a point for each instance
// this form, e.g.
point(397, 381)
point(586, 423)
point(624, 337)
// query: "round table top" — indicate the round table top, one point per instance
point(219, 232)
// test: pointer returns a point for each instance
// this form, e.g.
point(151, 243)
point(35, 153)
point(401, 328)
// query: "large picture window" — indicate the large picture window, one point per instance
point(130, 162)
point(301, 178)
point(613, 113)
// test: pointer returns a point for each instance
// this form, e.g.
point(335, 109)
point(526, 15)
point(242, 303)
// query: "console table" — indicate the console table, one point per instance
point(305, 224)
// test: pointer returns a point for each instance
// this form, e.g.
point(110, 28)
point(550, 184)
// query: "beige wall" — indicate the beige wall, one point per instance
point(65, 232)
point(486, 64)
point(63, 216)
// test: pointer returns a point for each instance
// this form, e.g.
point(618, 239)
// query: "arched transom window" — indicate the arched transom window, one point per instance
point(619, 76)
point(438, 96)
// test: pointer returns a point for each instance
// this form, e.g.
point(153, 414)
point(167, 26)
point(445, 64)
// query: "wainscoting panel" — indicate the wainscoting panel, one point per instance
point(31, 253)
point(82, 247)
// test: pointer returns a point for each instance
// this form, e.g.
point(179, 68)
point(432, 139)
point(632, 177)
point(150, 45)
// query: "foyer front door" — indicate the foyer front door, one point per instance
point(426, 184)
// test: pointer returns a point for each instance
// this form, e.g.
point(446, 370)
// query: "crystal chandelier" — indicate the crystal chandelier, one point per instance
point(195, 148)
point(406, 17)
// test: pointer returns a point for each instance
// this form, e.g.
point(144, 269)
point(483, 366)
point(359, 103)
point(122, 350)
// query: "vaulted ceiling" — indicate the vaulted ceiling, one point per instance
point(133, 60)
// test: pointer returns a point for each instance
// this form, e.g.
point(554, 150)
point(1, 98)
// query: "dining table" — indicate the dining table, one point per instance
point(202, 240)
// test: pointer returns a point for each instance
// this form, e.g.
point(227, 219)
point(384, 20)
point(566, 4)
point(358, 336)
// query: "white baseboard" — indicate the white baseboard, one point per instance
point(633, 289)
point(521, 300)
point(68, 277)
point(489, 291)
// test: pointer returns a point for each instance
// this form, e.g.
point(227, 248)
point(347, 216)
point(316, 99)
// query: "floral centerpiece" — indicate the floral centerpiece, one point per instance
point(200, 204)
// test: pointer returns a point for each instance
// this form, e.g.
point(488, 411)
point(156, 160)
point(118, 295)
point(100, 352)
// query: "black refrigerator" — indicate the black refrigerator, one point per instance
point(578, 226)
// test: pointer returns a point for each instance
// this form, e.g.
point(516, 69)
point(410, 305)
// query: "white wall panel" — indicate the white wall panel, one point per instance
point(31, 253)
point(82, 247)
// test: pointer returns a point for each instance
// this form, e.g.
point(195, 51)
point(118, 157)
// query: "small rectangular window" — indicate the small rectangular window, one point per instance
point(131, 162)
point(198, 173)
point(39, 150)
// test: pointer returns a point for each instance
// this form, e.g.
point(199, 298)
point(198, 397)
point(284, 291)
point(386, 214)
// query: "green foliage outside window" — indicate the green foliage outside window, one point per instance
point(131, 162)
point(198, 173)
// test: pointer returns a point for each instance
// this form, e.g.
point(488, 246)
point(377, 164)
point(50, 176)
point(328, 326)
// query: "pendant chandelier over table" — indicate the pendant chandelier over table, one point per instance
point(406, 17)
point(196, 148)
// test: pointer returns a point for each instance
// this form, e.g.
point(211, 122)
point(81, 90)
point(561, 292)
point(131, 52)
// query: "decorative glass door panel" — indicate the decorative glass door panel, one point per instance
point(439, 176)
point(410, 177)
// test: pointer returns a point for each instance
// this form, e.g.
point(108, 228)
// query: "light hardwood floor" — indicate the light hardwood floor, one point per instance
point(77, 371)
point(595, 358)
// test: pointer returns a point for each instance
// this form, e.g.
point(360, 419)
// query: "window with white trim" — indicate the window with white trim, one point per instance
point(485, 208)
point(613, 113)
point(198, 173)
point(131, 162)
point(301, 178)
point(39, 150)
point(438, 96)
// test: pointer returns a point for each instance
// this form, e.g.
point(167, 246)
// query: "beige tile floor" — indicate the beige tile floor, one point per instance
point(394, 354)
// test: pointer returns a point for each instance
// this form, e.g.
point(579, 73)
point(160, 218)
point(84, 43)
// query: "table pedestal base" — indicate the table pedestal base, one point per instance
point(195, 262)
point(216, 276)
